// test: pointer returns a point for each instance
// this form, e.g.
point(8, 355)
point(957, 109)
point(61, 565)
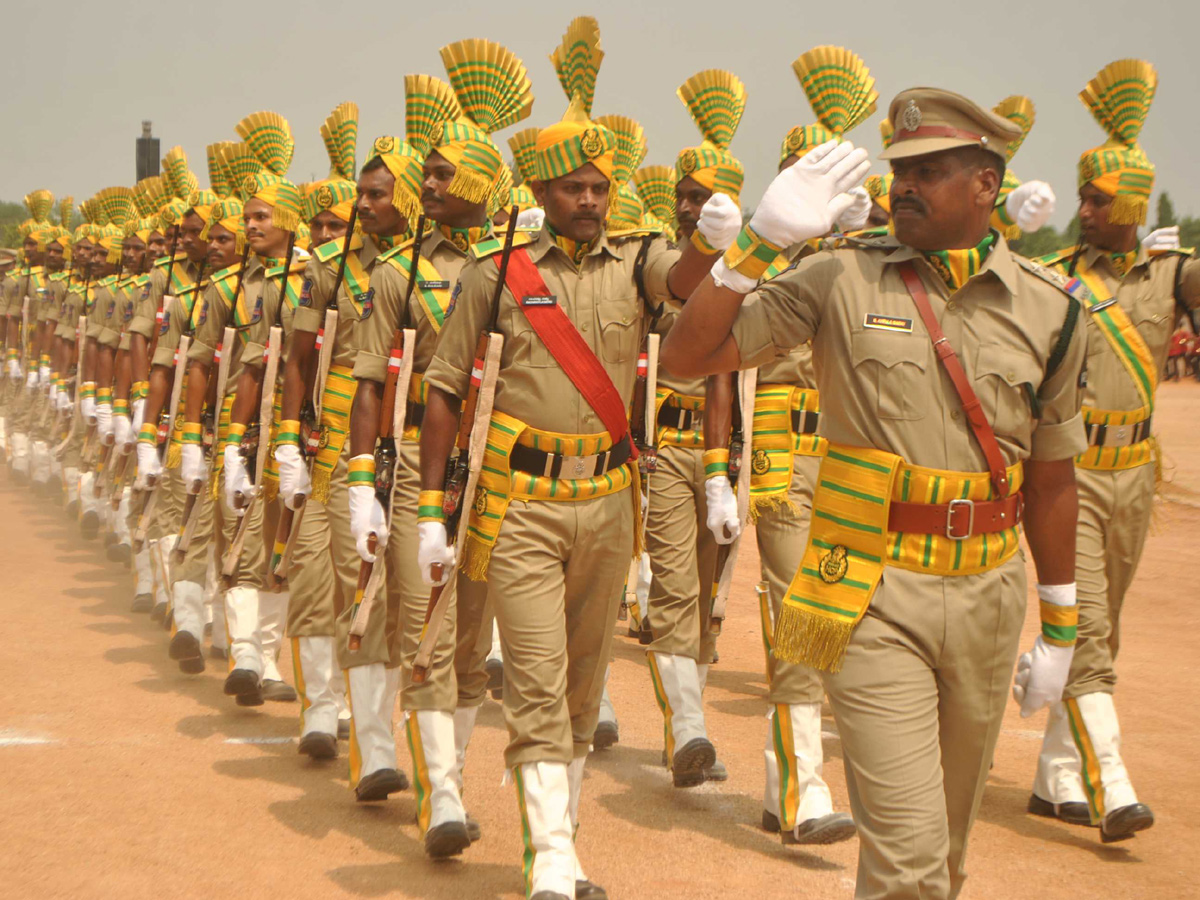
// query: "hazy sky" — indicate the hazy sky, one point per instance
point(80, 77)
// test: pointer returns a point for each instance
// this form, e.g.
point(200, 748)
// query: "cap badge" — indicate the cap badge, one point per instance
point(833, 565)
point(688, 162)
point(795, 139)
point(911, 117)
point(384, 144)
point(250, 185)
point(591, 143)
point(324, 197)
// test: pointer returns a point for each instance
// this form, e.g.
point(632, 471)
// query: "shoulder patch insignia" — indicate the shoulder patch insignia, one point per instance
point(166, 323)
point(305, 298)
point(367, 300)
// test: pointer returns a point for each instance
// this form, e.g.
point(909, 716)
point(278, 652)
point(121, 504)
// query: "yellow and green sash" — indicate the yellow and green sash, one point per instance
point(336, 400)
point(849, 545)
point(223, 421)
point(1110, 459)
point(774, 444)
point(431, 290)
point(677, 437)
point(499, 483)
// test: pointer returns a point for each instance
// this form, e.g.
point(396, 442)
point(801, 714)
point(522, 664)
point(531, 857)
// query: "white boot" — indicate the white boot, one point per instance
point(3, 434)
point(545, 796)
point(120, 521)
point(803, 794)
point(677, 683)
point(144, 584)
point(39, 463)
point(1058, 778)
point(464, 725)
point(316, 662)
point(771, 782)
point(1102, 732)
point(372, 702)
point(18, 457)
point(242, 617)
point(495, 653)
point(575, 782)
point(440, 814)
point(188, 605)
point(71, 483)
point(272, 616)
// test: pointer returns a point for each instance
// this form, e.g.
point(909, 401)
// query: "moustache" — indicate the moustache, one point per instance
point(908, 203)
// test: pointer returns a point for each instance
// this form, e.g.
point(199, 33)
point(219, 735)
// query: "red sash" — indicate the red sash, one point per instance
point(565, 343)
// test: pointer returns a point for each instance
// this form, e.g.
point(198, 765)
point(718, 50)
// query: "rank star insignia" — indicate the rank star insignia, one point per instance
point(911, 117)
point(591, 143)
point(688, 163)
point(760, 464)
point(481, 496)
point(324, 197)
point(833, 565)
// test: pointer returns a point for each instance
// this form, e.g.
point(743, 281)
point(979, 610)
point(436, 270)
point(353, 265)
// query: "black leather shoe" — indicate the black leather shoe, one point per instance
point(770, 822)
point(379, 784)
point(446, 840)
point(110, 538)
point(89, 525)
point(585, 890)
point(1123, 823)
point(343, 729)
point(183, 646)
point(828, 829)
point(158, 612)
point(278, 691)
point(319, 745)
point(716, 772)
point(606, 735)
point(474, 832)
point(73, 509)
point(244, 684)
point(193, 666)
point(1073, 813)
point(495, 673)
point(645, 636)
point(690, 762)
point(142, 603)
point(120, 552)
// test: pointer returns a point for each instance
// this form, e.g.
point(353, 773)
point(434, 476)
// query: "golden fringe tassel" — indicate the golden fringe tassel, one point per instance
point(174, 455)
point(469, 186)
point(1012, 232)
point(1128, 210)
point(769, 503)
point(270, 489)
point(320, 485)
point(808, 639)
point(477, 556)
point(284, 219)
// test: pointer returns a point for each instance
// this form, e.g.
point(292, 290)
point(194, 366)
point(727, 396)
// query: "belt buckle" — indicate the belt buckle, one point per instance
point(580, 467)
point(1120, 435)
point(950, 509)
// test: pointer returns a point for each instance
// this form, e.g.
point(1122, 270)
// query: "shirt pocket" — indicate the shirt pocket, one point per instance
point(1155, 321)
point(527, 348)
point(620, 329)
point(892, 366)
point(1001, 376)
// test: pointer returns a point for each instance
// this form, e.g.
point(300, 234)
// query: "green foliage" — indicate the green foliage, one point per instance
point(1166, 211)
point(11, 215)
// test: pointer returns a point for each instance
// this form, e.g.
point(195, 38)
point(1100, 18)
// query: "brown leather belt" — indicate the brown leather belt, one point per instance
point(678, 417)
point(554, 465)
point(958, 519)
point(804, 421)
point(1118, 435)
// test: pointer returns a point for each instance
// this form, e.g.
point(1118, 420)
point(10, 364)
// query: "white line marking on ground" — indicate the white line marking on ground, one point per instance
point(260, 740)
point(10, 737)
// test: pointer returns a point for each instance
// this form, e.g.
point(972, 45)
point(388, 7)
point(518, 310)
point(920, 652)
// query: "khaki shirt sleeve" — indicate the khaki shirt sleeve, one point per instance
point(1059, 433)
point(373, 336)
point(168, 341)
point(660, 259)
point(785, 312)
point(318, 287)
point(258, 334)
point(1189, 283)
point(208, 335)
point(450, 368)
point(145, 307)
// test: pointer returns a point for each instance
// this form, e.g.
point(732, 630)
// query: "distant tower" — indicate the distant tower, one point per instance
point(147, 153)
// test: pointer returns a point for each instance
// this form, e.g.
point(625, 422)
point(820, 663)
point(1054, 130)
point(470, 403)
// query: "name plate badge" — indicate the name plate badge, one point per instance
point(888, 323)
point(549, 300)
point(434, 285)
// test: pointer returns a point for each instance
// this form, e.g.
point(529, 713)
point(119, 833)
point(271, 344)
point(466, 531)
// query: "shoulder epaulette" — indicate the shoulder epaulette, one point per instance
point(867, 240)
point(162, 261)
point(297, 268)
point(484, 249)
point(639, 231)
point(107, 281)
point(1058, 256)
point(59, 276)
point(1175, 251)
point(398, 250)
point(328, 250)
point(1072, 287)
point(224, 274)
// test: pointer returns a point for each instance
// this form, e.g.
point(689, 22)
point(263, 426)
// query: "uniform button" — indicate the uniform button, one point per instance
point(952, 305)
point(624, 320)
point(1012, 376)
point(954, 414)
point(584, 327)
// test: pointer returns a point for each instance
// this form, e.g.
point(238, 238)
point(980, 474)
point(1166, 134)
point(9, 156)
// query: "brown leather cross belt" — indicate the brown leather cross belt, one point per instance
point(678, 417)
point(804, 421)
point(958, 519)
point(554, 465)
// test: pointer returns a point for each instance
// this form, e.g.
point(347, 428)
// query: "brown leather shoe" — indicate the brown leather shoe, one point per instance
point(585, 890)
point(1123, 823)
point(691, 761)
point(319, 745)
point(1073, 813)
point(278, 691)
point(379, 784)
point(607, 734)
point(828, 829)
point(447, 840)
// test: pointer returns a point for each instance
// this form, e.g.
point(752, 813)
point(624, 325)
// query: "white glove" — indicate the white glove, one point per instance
point(122, 432)
point(138, 418)
point(53, 394)
point(44, 374)
point(722, 509)
point(236, 480)
point(1042, 672)
point(148, 465)
point(1162, 239)
point(104, 422)
point(191, 466)
point(1031, 205)
point(31, 379)
point(431, 550)
point(856, 215)
point(367, 518)
point(531, 218)
point(293, 475)
point(720, 221)
point(64, 401)
point(87, 406)
point(14, 369)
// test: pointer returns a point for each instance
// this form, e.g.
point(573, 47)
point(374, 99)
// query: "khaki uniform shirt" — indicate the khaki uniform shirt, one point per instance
point(71, 309)
point(259, 333)
point(176, 322)
point(8, 290)
point(103, 313)
point(150, 302)
point(373, 336)
point(56, 293)
point(217, 315)
point(885, 389)
point(601, 299)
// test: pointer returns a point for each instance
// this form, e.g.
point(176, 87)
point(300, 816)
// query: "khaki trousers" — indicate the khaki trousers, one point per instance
point(194, 567)
point(324, 563)
point(782, 535)
point(252, 564)
point(918, 703)
point(1114, 519)
point(473, 641)
point(683, 555)
point(556, 580)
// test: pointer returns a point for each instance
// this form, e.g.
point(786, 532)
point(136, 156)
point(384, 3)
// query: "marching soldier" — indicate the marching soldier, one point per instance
point(553, 524)
point(910, 595)
point(1132, 295)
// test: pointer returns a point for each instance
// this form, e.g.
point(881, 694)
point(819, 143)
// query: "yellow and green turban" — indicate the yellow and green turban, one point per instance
point(141, 228)
point(201, 203)
point(1119, 97)
point(228, 214)
point(625, 211)
point(840, 90)
point(149, 195)
point(524, 150)
point(338, 192)
point(493, 91)
point(715, 99)
point(405, 163)
point(887, 132)
point(39, 203)
point(62, 237)
point(177, 177)
point(171, 214)
point(219, 178)
point(522, 198)
point(501, 191)
point(1019, 110)
point(109, 237)
point(269, 138)
point(656, 188)
point(304, 237)
point(880, 189)
point(117, 209)
point(576, 140)
point(66, 212)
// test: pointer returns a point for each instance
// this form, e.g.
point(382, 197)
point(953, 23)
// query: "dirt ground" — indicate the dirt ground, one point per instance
point(121, 777)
